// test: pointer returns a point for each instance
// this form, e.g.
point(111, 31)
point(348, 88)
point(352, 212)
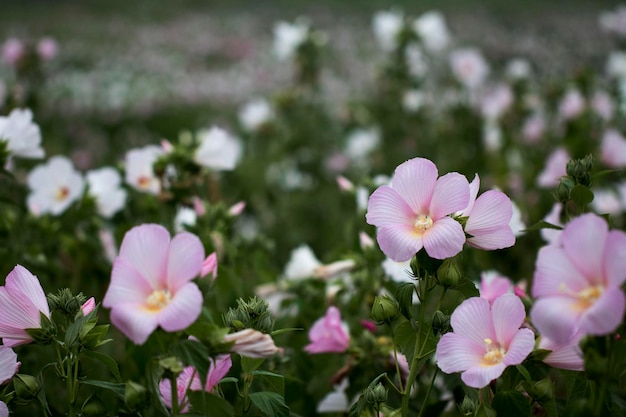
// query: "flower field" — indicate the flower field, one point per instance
point(343, 210)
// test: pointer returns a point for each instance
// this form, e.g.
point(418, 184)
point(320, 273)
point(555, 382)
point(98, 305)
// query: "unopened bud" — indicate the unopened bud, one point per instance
point(441, 323)
point(94, 407)
point(375, 395)
point(448, 273)
point(171, 366)
point(563, 190)
point(384, 309)
point(467, 406)
point(26, 387)
point(543, 390)
point(137, 397)
point(365, 241)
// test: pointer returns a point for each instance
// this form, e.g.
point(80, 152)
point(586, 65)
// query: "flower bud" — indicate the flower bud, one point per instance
point(563, 190)
point(384, 309)
point(375, 395)
point(253, 314)
point(252, 344)
point(171, 366)
point(136, 396)
point(467, 406)
point(441, 323)
point(26, 387)
point(543, 390)
point(94, 407)
point(448, 273)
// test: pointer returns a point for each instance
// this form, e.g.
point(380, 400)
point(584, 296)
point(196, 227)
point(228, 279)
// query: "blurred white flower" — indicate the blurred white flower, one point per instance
point(516, 223)
point(602, 104)
point(54, 186)
point(496, 101)
point(416, 60)
point(387, 25)
point(105, 186)
point(534, 127)
point(554, 169)
point(185, 216)
point(362, 195)
point(553, 236)
point(22, 135)
point(288, 37)
point(614, 21)
point(606, 201)
point(218, 149)
point(469, 67)
point(616, 65)
point(139, 172)
point(613, 149)
point(302, 264)
point(572, 104)
point(518, 69)
point(361, 142)
point(412, 100)
point(398, 271)
point(337, 400)
point(255, 113)
point(432, 30)
point(492, 136)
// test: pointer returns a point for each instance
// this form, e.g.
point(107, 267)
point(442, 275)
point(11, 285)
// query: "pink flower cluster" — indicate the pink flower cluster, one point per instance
point(422, 210)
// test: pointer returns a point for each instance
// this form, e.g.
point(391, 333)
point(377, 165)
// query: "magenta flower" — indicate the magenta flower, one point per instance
point(486, 339)
point(151, 282)
point(328, 334)
point(489, 219)
point(190, 380)
point(414, 212)
point(22, 301)
point(577, 283)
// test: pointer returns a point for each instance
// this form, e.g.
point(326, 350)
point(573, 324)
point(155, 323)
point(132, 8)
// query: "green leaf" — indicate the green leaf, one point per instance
point(108, 361)
point(581, 195)
point(467, 288)
point(542, 224)
point(74, 329)
point(427, 263)
point(118, 388)
point(522, 370)
point(250, 364)
point(404, 295)
point(270, 403)
point(281, 331)
point(276, 382)
point(193, 353)
point(210, 404)
point(405, 336)
point(511, 404)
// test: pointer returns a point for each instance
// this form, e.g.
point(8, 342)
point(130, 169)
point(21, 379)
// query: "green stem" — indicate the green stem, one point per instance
point(174, 391)
point(430, 387)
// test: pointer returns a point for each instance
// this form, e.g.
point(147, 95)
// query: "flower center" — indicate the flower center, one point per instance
point(495, 353)
point(62, 194)
point(143, 182)
point(587, 297)
point(158, 300)
point(422, 223)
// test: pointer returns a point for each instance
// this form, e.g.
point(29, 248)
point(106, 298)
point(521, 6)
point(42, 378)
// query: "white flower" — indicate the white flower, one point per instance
point(255, 113)
point(104, 185)
point(516, 223)
point(337, 400)
point(614, 22)
point(54, 186)
point(572, 104)
point(398, 271)
point(616, 65)
point(602, 104)
point(412, 100)
point(218, 149)
point(492, 136)
point(288, 37)
point(518, 69)
point(139, 172)
point(387, 25)
point(361, 142)
point(362, 196)
point(416, 60)
point(606, 201)
point(22, 135)
point(432, 30)
point(469, 67)
point(496, 101)
point(185, 216)
point(554, 169)
point(553, 236)
point(534, 127)
point(302, 264)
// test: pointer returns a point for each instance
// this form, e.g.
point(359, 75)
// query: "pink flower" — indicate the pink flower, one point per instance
point(571, 105)
point(564, 356)
point(4, 410)
point(190, 380)
point(577, 283)
point(489, 219)
point(8, 364)
point(328, 334)
point(22, 301)
point(252, 343)
point(554, 170)
point(493, 285)
point(603, 105)
point(151, 282)
point(209, 267)
point(553, 236)
point(47, 48)
point(469, 67)
point(534, 127)
point(486, 339)
point(613, 149)
point(88, 306)
point(12, 51)
point(414, 212)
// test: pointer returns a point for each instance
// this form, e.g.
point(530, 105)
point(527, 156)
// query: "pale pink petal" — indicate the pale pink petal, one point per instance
point(565, 356)
point(8, 363)
point(127, 285)
point(556, 317)
point(209, 266)
point(480, 376)
point(387, 207)
point(456, 353)
point(135, 321)
point(444, 239)
point(500, 238)
point(583, 240)
point(15, 316)
point(415, 181)
point(451, 194)
point(606, 314)
point(183, 309)
point(4, 410)
point(186, 255)
point(493, 285)
point(146, 248)
point(522, 343)
point(399, 242)
point(21, 281)
point(472, 319)
point(474, 187)
point(554, 270)
point(218, 370)
point(615, 258)
point(508, 315)
point(88, 306)
point(493, 208)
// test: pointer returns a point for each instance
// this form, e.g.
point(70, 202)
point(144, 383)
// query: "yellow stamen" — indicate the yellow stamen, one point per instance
point(422, 223)
point(494, 355)
point(586, 298)
point(62, 193)
point(158, 300)
point(143, 182)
